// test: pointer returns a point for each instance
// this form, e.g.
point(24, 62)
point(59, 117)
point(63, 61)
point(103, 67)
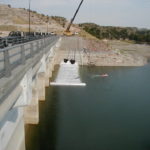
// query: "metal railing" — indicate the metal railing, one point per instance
point(11, 57)
point(13, 40)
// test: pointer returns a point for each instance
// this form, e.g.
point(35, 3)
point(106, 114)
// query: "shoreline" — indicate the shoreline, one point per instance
point(84, 56)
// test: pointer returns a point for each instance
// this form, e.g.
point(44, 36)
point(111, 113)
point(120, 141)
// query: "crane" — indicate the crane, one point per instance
point(67, 31)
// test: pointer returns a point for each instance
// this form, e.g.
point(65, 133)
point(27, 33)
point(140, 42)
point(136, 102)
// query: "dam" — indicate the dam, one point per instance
point(26, 69)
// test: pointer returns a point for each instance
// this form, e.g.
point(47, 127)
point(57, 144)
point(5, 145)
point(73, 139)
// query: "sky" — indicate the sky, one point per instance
point(126, 13)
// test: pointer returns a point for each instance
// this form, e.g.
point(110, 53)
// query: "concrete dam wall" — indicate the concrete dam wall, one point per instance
point(25, 70)
point(22, 86)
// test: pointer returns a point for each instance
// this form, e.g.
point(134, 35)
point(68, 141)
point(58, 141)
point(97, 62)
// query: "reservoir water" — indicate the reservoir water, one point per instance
point(110, 113)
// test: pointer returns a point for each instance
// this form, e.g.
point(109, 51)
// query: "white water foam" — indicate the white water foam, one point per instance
point(68, 75)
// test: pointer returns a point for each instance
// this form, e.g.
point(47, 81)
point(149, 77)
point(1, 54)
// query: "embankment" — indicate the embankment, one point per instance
point(102, 55)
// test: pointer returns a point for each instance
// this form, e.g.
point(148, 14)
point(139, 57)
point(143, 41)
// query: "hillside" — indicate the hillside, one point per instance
point(117, 33)
point(96, 38)
point(13, 19)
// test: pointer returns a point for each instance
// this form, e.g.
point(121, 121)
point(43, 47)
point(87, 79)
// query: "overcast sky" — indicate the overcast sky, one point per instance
point(103, 12)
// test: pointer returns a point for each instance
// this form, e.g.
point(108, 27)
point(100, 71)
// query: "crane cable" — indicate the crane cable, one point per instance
point(67, 49)
point(80, 44)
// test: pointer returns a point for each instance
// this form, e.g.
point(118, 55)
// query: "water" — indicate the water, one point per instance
point(110, 113)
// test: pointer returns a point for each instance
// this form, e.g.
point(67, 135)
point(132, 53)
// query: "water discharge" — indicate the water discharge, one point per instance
point(68, 75)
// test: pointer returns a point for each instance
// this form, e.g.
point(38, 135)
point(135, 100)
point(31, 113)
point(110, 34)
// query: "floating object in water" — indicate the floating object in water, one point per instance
point(95, 76)
point(65, 60)
point(101, 75)
point(72, 61)
point(104, 75)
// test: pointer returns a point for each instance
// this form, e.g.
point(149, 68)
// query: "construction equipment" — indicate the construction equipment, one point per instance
point(67, 32)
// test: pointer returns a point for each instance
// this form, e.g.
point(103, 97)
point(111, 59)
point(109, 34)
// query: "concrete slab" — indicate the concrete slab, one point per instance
point(68, 75)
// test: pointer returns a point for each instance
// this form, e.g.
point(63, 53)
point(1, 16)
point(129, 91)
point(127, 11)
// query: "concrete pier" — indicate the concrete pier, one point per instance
point(41, 86)
point(31, 112)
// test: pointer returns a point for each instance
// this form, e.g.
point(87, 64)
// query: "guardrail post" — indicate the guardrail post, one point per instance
point(42, 44)
point(40, 47)
point(37, 45)
point(23, 57)
point(7, 65)
point(31, 50)
point(49, 42)
point(46, 41)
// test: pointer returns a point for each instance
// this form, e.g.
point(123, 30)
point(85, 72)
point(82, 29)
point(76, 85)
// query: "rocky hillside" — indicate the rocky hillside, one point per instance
point(13, 19)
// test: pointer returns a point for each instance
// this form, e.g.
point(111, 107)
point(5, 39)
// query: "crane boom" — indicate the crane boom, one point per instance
point(68, 28)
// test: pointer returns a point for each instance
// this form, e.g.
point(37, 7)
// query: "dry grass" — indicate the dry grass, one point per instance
point(19, 20)
point(8, 28)
point(13, 28)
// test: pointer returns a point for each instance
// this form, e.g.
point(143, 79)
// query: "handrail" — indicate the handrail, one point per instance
point(11, 57)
